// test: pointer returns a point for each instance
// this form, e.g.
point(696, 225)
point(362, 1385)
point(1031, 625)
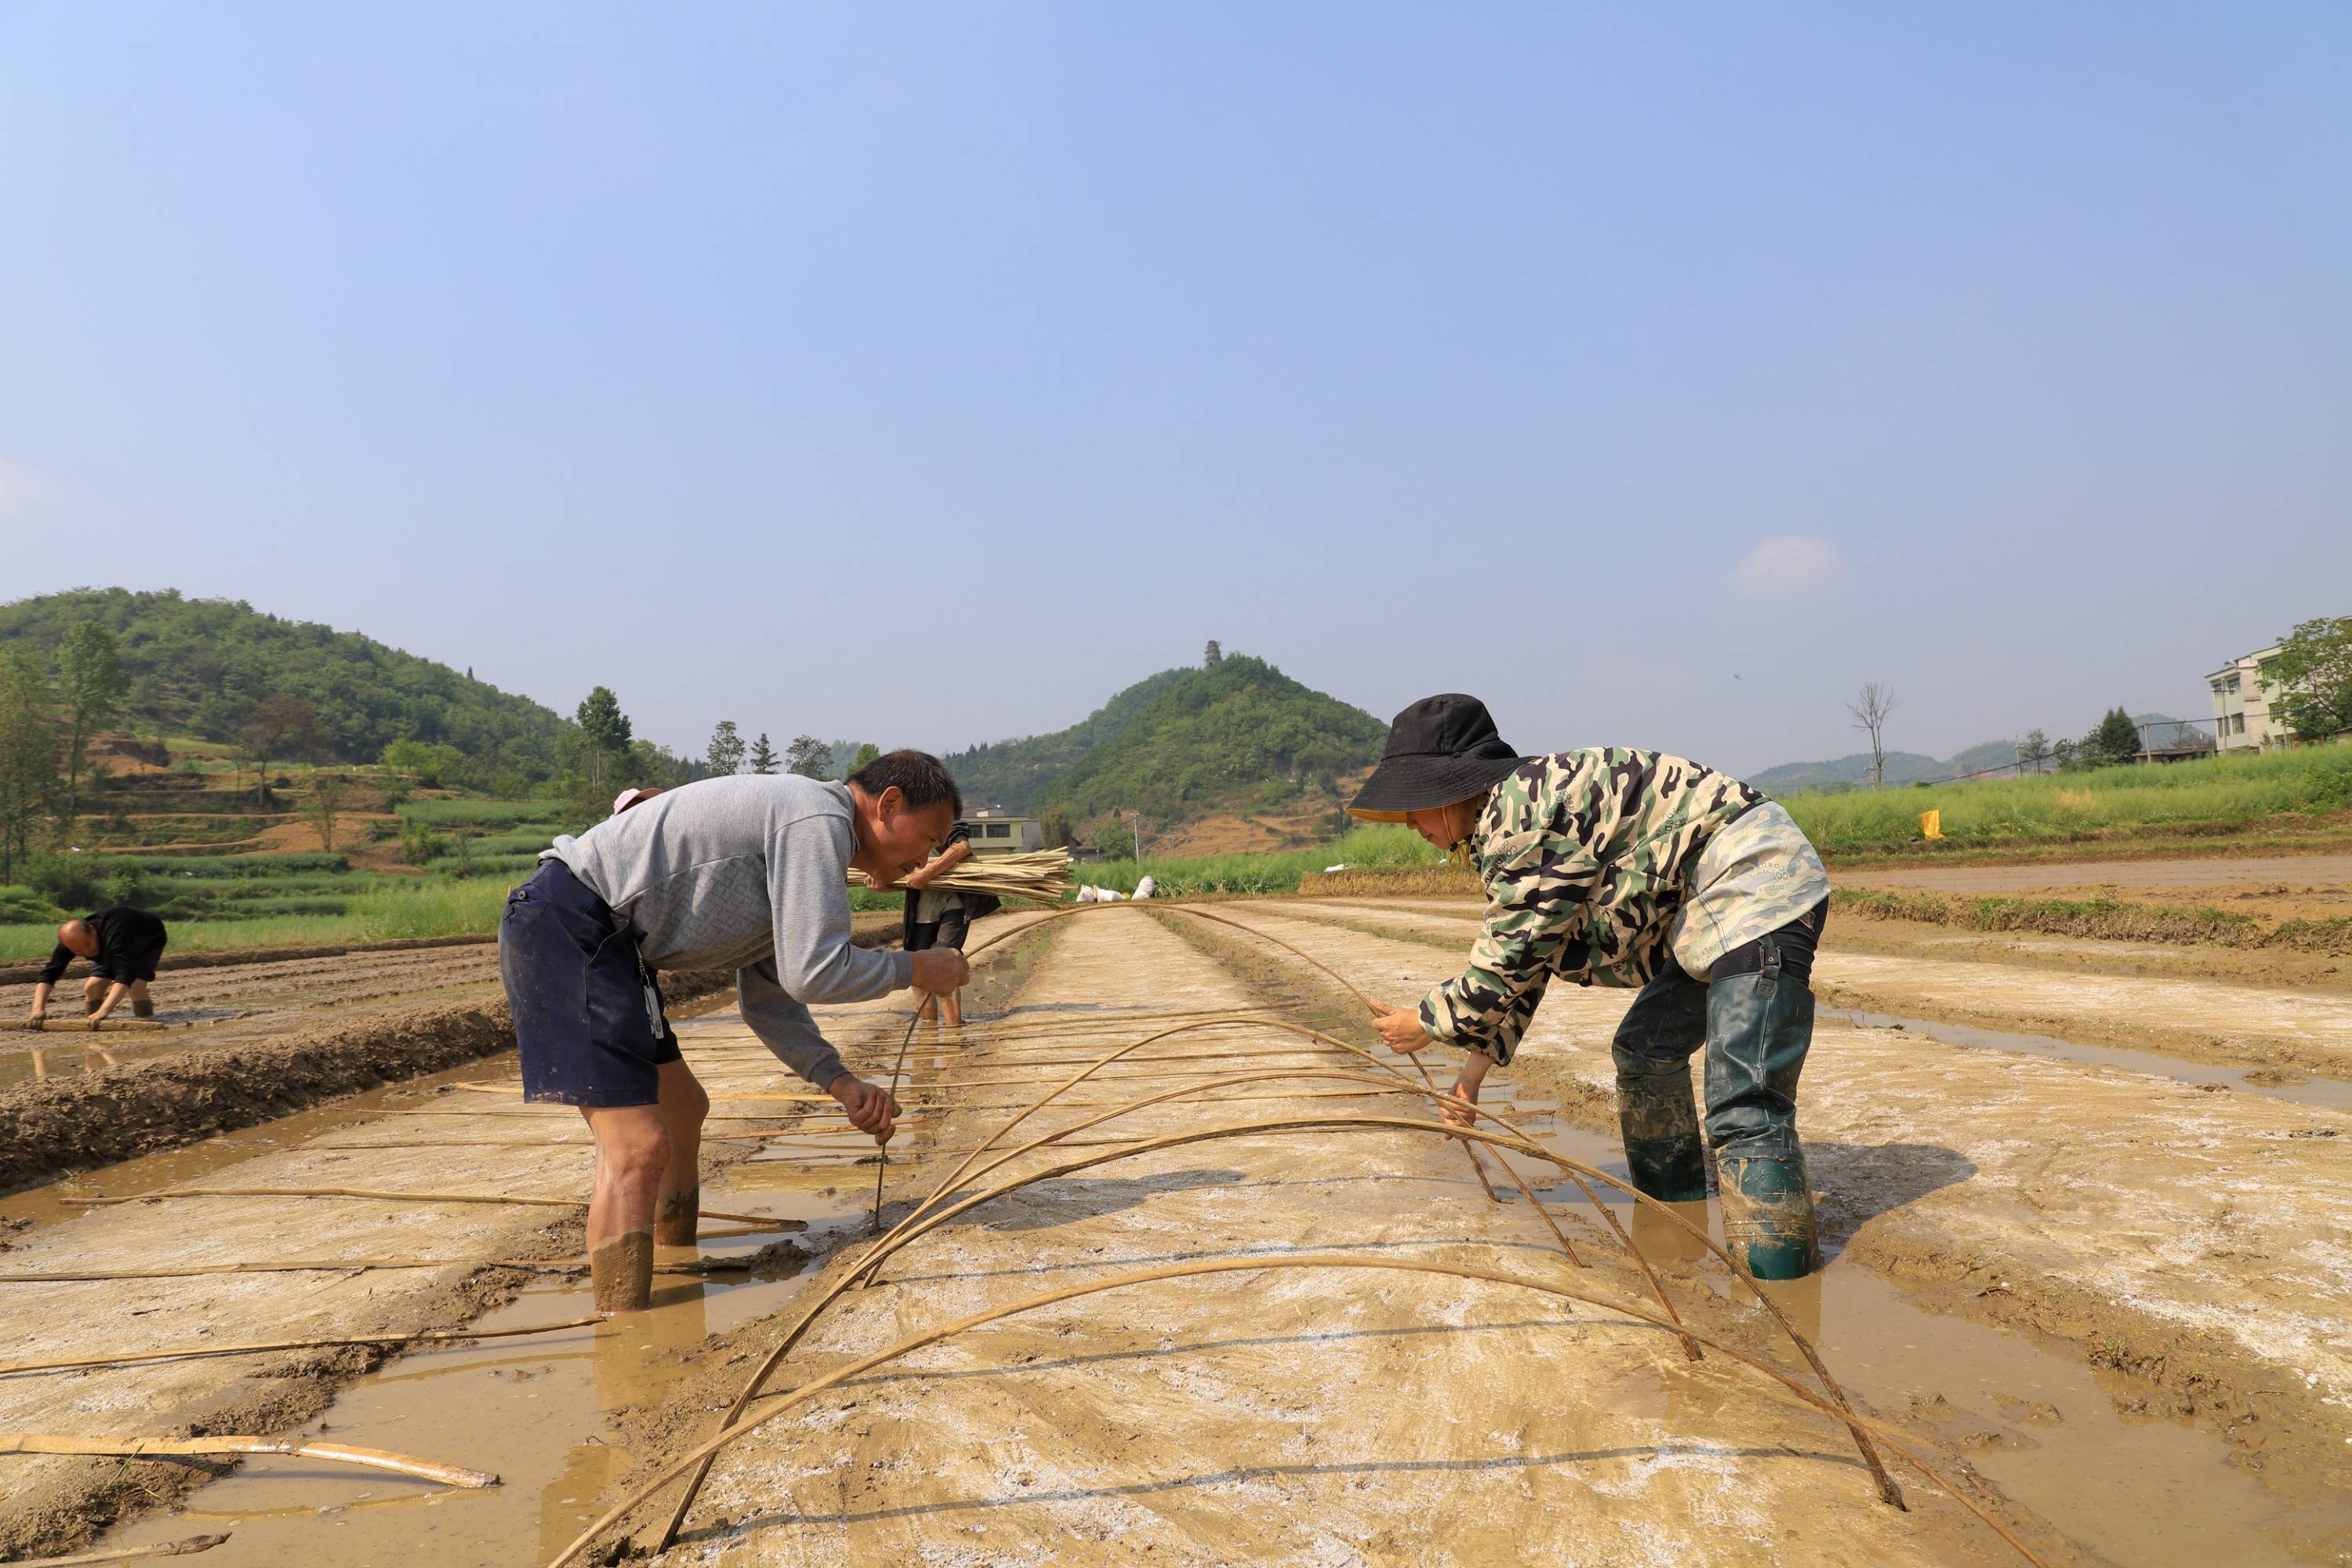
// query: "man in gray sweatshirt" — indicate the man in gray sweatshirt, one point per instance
point(746, 873)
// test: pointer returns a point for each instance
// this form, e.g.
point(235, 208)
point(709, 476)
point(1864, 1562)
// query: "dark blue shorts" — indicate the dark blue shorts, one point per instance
point(587, 1014)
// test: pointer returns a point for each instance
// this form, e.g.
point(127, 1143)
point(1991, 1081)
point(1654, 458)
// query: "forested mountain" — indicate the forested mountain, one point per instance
point(1181, 745)
point(200, 667)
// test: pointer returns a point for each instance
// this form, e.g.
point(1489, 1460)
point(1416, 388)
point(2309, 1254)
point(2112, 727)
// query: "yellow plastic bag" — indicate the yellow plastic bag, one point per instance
point(1931, 824)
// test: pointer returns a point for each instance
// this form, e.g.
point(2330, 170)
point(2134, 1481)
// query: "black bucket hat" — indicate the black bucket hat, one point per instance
point(1441, 749)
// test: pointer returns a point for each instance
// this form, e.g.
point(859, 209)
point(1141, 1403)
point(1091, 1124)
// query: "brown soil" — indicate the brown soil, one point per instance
point(2187, 1237)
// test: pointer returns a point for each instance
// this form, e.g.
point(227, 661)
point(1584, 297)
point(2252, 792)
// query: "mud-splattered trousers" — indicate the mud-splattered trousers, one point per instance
point(1754, 1014)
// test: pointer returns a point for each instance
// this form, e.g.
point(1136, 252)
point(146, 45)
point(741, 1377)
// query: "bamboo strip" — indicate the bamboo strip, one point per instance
point(423, 1336)
point(858, 1368)
point(187, 1546)
point(293, 1448)
point(295, 1266)
point(391, 1198)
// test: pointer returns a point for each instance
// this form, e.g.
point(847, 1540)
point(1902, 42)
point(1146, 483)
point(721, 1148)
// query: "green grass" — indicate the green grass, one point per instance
point(2056, 807)
point(481, 813)
point(1364, 849)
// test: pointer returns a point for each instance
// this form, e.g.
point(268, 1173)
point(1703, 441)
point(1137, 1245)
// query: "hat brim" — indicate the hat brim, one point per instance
point(1402, 784)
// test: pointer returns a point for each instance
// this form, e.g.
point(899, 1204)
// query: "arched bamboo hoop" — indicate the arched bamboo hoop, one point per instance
point(293, 1448)
point(784, 1347)
point(423, 1337)
point(1806, 1397)
point(294, 1266)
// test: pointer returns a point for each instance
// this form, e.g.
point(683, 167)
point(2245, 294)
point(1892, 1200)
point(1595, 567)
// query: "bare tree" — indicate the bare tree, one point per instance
point(1870, 707)
point(276, 725)
point(325, 806)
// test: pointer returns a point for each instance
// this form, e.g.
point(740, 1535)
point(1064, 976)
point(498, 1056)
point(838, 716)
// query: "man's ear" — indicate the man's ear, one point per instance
point(888, 804)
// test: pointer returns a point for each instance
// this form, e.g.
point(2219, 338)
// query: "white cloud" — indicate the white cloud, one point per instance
point(25, 490)
point(1787, 563)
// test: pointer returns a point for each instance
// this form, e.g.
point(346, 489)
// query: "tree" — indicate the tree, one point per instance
point(763, 756)
point(28, 756)
point(1213, 656)
point(91, 680)
point(809, 757)
point(325, 806)
point(1870, 707)
point(1055, 828)
point(866, 754)
point(2116, 740)
point(280, 724)
point(2033, 751)
point(603, 728)
point(2314, 673)
point(725, 754)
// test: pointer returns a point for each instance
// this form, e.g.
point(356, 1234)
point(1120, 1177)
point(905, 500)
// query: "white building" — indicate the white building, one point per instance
point(2245, 697)
point(993, 833)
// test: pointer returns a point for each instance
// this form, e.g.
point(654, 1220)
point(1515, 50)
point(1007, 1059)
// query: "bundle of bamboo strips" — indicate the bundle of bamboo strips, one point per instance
point(1040, 874)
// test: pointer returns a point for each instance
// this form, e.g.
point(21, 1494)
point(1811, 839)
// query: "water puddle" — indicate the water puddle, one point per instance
point(538, 1411)
point(2333, 1093)
point(2039, 1422)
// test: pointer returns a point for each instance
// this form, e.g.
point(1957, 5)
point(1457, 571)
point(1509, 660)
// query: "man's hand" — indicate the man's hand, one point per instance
point(940, 970)
point(37, 1019)
point(1474, 1069)
point(1400, 1028)
point(871, 1109)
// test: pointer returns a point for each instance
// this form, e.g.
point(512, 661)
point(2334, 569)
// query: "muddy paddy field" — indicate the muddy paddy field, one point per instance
point(2086, 1203)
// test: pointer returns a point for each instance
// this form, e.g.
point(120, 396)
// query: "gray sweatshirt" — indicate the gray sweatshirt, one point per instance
point(745, 873)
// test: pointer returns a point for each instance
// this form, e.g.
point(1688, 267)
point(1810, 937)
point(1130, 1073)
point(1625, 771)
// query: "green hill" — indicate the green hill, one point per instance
point(198, 666)
point(1181, 745)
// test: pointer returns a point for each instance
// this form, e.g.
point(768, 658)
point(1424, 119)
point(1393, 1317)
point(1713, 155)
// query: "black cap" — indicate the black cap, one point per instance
point(1441, 749)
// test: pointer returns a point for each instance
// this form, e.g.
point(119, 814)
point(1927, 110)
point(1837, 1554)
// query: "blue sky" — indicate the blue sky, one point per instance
point(926, 373)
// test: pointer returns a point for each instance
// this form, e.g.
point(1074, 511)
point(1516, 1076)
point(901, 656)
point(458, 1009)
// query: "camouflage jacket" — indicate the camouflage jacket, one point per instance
point(1593, 860)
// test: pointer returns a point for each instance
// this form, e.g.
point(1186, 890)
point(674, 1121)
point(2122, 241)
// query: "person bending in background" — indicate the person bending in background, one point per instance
point(1615, 867)
point(746, 873)
point(937, 917)
point(123, 945)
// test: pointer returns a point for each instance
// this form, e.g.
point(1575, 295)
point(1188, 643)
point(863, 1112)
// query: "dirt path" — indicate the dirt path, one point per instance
point(2193, 1238)
point(1283, 1417)
point(437, 1138)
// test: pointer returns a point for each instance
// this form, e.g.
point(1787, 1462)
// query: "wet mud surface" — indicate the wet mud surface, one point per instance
point(1291, 1416)
point(2187, 1240)
point(465, 1133)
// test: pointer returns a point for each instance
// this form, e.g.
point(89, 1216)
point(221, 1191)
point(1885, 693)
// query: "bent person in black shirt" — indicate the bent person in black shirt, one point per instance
point(123, 945)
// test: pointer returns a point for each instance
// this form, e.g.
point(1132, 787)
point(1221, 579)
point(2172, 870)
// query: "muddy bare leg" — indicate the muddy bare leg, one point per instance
point(94, 992)
point(142, 1004)
point(632, 1155)
point(684, 1107)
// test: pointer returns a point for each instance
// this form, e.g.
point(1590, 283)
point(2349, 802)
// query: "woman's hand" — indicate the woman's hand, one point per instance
point(1475, 1067)
point(1399, 1028)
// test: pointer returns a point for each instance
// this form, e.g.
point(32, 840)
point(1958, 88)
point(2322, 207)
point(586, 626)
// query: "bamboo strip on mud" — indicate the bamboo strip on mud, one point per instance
point(293, 1266)
point(874, 1253)
point(293, 1448)
point(784, 1402)
point(183, 1352)
point(1887, 1489)
point(187, 1546)
point(1576, 1169)
point(391, 1198)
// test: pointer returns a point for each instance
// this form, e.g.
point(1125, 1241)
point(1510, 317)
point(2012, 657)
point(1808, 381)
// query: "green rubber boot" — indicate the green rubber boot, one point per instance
point(1660, 1120)
point(1768, 1216)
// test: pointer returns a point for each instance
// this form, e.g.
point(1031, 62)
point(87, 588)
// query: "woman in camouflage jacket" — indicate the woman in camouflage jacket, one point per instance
point(1625, 868)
